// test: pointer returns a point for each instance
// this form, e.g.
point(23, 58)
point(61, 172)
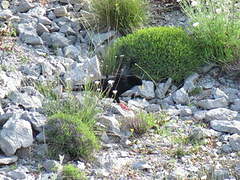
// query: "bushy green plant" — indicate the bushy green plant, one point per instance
point(215, 24)
point(68, 134)
point(160, 51)
point(121, 15)
point(70, 172)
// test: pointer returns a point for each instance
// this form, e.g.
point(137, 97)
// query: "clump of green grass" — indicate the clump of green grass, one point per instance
point(70, 172)
point(123, 16)
point(69, 134)
point(143, 122)
point(215, 25)
point(161, 51)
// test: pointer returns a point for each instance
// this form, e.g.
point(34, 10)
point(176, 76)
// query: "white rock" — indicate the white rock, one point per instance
point(37, 11)
point(4, 160)
point(140, 103)
point(141, 165)
point(16, 133)
point(146, 90)
point(41, 29)
point(36, 119)
point(180, 97)
point(213, 103)
point(220, 114)
point(5, 4)
point(199, 115)
point(111, 122)
point(44, 20)
point(5, 15)
point(226, 126)
point(125, 113)
point(153, 108)
point(162, 88)
point(218, 93)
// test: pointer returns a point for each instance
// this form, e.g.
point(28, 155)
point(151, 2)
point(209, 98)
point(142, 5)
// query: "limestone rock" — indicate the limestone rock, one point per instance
point(226, 126)
point(4, 160)
point(180, 97)
point(220, 114)
point(162, 88)
point(213, 103)
point(16, 133)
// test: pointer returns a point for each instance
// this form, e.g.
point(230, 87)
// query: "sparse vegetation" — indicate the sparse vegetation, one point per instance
point(215, 26)
point(70, 172)
point(123, 16)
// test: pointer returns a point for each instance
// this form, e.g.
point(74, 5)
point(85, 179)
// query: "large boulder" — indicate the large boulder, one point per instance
point(220, 114)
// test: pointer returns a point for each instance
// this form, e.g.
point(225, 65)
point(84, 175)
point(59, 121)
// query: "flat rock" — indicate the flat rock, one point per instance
point(220, 114)
point(226, 126)
point(146, 90)
point(213, 103)
point(5, 15)
point(4, 160)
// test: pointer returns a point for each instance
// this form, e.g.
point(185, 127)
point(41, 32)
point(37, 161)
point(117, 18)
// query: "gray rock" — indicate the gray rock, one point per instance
point(125, 113)
point(16, 133)
point(20, 173)
point(83, 72)
point(231, 93)
point(4, 160)
point(25, 100)
point(199, 115)
point(41, 29)
point(37, 11)
point(220, 114)
point(52, 165)
point(5, 15)
point(180, 97)
point(153, 108)
point(226, 148)
point(141, 165)
point(71, 52)
point(60, 11)
point(236, 105)
point(58, 40)
point(24, 6)
point(9, 82)
point(189, 83)
point(44, 20)
point(139, 103)
point(185, 110)
point(66, 29)
point(41, 137)
point(226, 126)
point(234, 142)
point(146, 90)
point(28, 34)
point(99, 38)
point(198, 133)
point(36, 119)
point(5, 4)
point(237, 169)
point(213, 103)
point(162, 88)
point(217, 93)
point(220, 174)
point(111, 122)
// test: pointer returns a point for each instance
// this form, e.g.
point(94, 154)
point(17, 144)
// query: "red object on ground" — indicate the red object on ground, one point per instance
point(124, 107)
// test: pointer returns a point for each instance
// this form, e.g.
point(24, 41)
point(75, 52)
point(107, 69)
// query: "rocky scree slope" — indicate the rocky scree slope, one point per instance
point(51, 44)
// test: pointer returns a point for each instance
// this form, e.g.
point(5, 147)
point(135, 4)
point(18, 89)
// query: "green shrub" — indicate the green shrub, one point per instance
point(160, 51)
point(68, 134)
point(216, 25)
point(70, 172)
point(121, 15)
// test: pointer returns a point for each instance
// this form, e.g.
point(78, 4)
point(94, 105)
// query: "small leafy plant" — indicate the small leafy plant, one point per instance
point(70, 172)
point(123, 16)
point(215, 25)
point(161, 51)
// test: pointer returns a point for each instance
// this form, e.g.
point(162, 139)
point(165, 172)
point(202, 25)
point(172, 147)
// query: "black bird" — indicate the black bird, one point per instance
point(115, 86)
